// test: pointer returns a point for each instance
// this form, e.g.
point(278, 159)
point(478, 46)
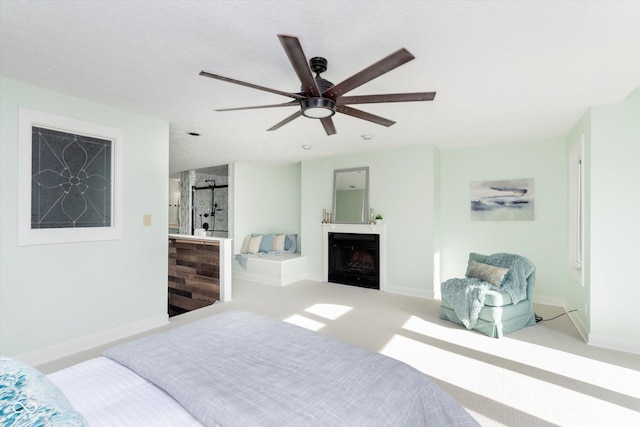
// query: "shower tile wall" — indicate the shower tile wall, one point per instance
point(186, 178)
point(203, 178)
point(217, 210)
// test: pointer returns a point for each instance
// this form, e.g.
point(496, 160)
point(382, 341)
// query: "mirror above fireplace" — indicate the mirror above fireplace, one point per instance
point(351, 195)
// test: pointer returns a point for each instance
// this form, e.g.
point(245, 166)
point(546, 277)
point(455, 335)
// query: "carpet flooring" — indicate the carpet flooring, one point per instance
point(542, 375)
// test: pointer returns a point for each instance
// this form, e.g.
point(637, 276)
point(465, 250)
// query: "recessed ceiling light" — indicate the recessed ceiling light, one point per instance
point(193, 133)
point(307, 147)
point(366, 136)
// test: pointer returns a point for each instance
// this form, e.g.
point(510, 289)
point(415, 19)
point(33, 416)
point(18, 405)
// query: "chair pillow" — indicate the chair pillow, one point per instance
point(486, 272)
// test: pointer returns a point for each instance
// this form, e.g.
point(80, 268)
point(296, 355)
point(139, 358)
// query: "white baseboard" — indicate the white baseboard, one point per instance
point(555, 301)
point(70, 347)
point(614, 343)
point(314, 277)
point(577, 322)
point(561, 302)
point(591, 339)
point(410, 292)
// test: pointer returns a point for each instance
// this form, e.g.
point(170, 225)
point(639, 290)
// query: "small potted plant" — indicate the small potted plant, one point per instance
point(378, 219)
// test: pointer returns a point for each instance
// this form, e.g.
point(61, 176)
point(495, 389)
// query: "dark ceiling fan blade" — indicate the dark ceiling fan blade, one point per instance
point(251, 85)
point(393, 97)
point(298, 60)
point(371, 72)
point(287, 120)
point(286, 104)
point(364, 115)
point(328, 125)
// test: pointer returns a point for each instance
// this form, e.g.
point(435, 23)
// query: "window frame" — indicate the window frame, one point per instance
point(577, 209)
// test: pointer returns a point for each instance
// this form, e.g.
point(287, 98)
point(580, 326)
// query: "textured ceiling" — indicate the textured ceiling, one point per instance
point(504, 71)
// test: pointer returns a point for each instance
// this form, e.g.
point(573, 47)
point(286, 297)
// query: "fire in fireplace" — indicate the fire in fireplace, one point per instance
point(354, 259)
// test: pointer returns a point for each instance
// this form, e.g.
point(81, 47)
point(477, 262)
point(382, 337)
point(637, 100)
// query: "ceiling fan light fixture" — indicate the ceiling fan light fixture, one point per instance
point(318, 107)
point(319, 98)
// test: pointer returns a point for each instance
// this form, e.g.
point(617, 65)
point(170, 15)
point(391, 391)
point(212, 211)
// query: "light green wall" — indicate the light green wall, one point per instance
point(543, 241)
point(401, 183)
point(266, 199)
point(50, 294)
point(614, 222)
point(423, 194)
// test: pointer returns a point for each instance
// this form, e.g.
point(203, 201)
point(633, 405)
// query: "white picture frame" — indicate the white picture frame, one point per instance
point(63, 184)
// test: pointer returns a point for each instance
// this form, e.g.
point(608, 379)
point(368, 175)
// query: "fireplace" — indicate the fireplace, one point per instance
point(354, 259)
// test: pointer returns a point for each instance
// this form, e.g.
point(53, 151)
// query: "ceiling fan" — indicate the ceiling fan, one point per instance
point(321, 99)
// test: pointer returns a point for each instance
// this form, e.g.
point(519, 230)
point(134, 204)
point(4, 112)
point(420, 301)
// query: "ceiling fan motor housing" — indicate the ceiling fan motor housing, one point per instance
point(318, 107)
point(318, 64)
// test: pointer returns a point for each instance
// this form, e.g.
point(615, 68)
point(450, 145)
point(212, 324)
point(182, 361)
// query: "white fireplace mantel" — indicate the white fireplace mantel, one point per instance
point(360, 229)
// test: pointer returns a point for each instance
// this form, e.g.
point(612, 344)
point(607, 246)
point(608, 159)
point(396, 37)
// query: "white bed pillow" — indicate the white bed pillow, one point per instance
point(108, 394)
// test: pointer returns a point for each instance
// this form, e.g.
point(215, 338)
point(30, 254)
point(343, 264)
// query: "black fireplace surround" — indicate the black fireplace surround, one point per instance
point(354, 259)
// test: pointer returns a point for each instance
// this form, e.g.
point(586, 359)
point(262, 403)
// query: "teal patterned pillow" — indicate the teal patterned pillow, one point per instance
point(29, 398)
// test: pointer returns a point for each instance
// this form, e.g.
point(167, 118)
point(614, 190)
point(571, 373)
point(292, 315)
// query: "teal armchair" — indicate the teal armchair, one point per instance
point(495, 297)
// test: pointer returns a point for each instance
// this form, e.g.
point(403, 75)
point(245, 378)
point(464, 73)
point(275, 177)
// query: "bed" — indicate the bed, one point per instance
point(243, 369)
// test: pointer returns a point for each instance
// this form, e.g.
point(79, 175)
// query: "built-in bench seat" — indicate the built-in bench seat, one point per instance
point(280, 270)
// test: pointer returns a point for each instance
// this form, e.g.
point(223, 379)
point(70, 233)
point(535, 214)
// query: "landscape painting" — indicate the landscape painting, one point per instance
point(506, 200)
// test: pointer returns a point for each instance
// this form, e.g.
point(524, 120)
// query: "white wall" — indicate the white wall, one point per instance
point(52, 294)
point(543, 241)
point(614, 224)
point(402, 186)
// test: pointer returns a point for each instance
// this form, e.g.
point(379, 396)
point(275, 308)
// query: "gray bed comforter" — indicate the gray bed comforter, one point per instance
point(243, 369)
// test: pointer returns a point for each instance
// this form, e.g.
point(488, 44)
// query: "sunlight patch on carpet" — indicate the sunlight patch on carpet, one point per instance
point(605, 375)
point(305, 322)
point(551, 402)
point(328, 311)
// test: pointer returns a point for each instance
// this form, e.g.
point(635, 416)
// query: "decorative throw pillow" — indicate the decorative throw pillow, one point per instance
point(291, 243)
point(266, 245)
point(254, 244)
point(278, 242)
point(29, 398)
point(486, 272)
point(245, 245)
